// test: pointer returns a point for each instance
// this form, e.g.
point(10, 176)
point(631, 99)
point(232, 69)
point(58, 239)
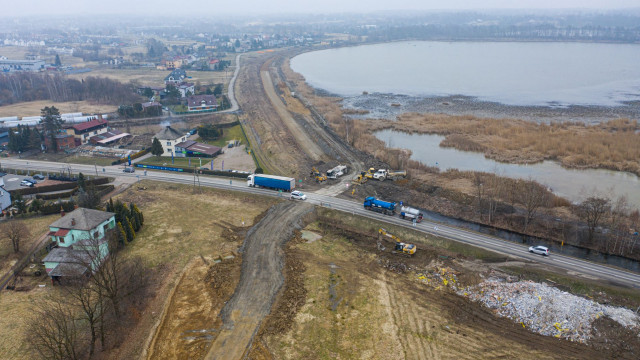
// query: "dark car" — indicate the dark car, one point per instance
point(38, 177)
point(129, 170)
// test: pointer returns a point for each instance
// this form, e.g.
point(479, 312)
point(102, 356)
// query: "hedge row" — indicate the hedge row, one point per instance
point(203, 171)
point(60, 195)
point(134, 156)
point(54, 208)
point(56, 187)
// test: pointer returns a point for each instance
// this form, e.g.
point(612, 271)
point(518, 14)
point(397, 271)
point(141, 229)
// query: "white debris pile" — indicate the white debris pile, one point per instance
point(547, 310)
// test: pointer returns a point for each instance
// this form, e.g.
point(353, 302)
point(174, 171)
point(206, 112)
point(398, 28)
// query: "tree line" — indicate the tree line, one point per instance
point(598, 222)
point(93, 308)
point(20, 87)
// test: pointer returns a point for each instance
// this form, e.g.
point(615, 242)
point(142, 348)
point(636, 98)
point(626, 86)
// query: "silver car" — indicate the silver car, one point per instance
point(541, 250)
point(298, 195)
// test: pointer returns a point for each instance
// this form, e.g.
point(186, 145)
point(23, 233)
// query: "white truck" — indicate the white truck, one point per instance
point(337, 171)
point(409, 213)
point(384, 174)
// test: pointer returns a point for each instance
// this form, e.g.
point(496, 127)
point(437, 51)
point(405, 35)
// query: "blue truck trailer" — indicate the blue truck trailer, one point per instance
point(384, 207)
point(271, 181)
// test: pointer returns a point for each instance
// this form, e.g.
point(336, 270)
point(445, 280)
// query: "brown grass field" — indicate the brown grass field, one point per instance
point(154, 77)
point(32, 108)
point(37, 225)
point(180, 226)
point(612, 145)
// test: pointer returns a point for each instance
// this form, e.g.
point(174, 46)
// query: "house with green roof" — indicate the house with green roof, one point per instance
point(80, 239)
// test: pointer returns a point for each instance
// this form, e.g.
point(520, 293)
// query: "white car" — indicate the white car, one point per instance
point(542, 250)
point(298, 195)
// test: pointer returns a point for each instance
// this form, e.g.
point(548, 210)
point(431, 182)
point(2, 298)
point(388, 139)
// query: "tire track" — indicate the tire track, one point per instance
point(260, 281)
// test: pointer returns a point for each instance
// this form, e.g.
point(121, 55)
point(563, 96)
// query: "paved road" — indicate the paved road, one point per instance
point(462, 235)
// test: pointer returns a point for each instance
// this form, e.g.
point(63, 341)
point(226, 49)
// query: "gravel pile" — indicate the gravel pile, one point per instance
point(547, 310)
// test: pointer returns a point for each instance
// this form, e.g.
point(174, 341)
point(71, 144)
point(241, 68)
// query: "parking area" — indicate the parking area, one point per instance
point(12, 181)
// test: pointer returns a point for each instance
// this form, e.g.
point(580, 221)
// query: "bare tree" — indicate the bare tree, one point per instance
point(89, 301)
point(592, 210)
point(494, 190)
point(54, 332)
point(15, 231)
point(478, 184)
point(532, 196)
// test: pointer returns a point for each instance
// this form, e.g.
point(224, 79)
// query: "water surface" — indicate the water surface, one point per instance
point(513, 73)
point(573, 184)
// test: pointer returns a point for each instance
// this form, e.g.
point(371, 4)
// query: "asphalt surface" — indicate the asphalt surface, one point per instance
point(590, 269)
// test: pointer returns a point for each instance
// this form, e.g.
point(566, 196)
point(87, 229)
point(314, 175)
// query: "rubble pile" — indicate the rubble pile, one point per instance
point(545, 309)
point(440, 278)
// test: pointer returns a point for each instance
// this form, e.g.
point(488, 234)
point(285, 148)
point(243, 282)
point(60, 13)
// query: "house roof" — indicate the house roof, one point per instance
point(169, 133)
point(199, 100)
point(61, 232)
point(150, 103)
point(68, 269)
point(206, 149)
point(186, 144)
point(67, 255)
point(176, 74)
point(89, 124)
point(108, 136)
point(83, 219)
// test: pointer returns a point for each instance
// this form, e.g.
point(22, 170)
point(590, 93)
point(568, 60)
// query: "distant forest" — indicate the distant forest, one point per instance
point(19, 87)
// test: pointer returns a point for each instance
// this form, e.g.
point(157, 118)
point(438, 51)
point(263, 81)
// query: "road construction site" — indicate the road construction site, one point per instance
point(315, 280)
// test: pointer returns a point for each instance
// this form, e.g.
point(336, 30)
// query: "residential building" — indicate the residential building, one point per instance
point(5, 197)
point(202, 102)
point(84, 130)
point(63, 140)
point(186, 89)
point(21, 65)
point(175, 77)
point(168, 138)
point(191, 148)
point(80, 241)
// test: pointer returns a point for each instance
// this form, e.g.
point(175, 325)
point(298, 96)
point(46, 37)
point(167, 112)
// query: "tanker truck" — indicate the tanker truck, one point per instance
point(384, 207)
point(409, 213)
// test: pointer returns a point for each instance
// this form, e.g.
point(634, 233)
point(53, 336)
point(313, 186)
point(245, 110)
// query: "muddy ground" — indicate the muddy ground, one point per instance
point(260, 281)
point(360, 301)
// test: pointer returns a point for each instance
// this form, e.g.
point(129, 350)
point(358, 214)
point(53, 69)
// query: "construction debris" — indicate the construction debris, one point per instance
point(547, 310)
point(440, 278)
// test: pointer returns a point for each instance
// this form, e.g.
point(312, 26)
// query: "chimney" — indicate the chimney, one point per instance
point(73, 221)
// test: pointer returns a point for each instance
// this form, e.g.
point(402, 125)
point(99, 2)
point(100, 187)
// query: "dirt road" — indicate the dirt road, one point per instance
point(260, 281)
point(303, 139)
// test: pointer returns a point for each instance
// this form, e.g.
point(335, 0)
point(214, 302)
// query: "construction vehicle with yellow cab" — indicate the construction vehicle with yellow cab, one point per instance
point(365, 176)
point(317, 175)
point(404, 248)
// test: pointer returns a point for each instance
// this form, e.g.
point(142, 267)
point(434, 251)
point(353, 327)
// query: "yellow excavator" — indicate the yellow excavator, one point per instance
point(407, 249)
point(364, 176)
point(317, 175)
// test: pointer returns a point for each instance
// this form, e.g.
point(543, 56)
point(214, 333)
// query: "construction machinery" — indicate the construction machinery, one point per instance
point(317, 175)
point(365, 176)
point(381, 206)
point(384, 174)
point(337, 171)
point(404, 248)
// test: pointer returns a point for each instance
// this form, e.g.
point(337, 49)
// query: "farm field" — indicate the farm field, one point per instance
point(32, 108)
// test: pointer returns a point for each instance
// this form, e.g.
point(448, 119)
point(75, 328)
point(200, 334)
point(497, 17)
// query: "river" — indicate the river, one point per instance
point(573, 184)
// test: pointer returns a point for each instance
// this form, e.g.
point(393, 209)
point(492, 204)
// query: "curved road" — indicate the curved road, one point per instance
point(584, 267)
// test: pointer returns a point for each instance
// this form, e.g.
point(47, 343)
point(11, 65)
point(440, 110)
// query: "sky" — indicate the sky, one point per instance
point(240, 7)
